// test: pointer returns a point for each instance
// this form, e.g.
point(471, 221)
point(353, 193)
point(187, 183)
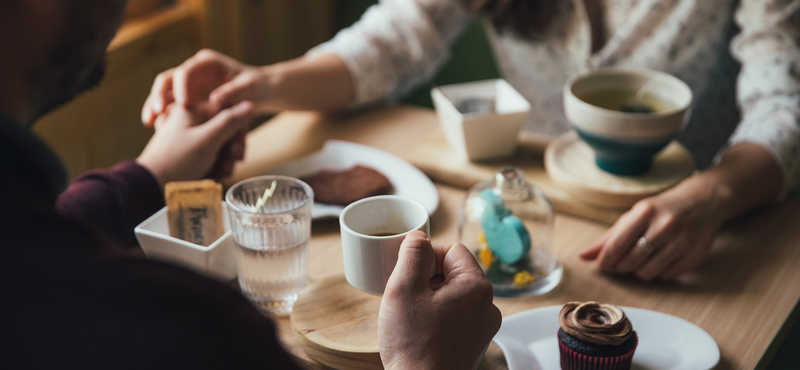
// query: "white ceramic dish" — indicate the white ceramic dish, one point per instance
point(407, 180)
point(217, 260)
point(478, 136)
point(626, 126)
point(528, 340)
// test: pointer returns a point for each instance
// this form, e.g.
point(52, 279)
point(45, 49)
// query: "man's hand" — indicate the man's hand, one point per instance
point(430, 324)
point(206, 83)
point(186, 148)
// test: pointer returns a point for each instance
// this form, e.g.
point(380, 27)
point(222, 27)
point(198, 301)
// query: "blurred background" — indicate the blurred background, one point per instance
point(103, 126)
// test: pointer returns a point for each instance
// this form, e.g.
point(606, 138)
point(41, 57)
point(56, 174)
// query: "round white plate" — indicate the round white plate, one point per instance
point(529, 341)
point(407, 180)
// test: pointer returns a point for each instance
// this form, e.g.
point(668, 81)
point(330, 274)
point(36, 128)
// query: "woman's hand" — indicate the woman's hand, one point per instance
point(436, 325)
point(206, 83)
point(185, 147)
point(210, 81)
point(678, 226)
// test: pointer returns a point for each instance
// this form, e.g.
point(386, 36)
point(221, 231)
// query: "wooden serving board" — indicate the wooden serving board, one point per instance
point(570, 163)
point(337, 325)
point(440, 163)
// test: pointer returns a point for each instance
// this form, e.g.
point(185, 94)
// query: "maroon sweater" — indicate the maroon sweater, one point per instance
point(73, 296)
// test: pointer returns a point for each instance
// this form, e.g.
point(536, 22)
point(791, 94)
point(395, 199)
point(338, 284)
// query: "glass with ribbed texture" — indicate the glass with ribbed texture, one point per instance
point(271, 240)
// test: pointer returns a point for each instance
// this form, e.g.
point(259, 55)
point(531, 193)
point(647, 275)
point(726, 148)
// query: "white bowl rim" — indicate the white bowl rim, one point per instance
point(444, 90)
point(229, 194)
point(631, 71)
point(379, 198)
point(141, 229)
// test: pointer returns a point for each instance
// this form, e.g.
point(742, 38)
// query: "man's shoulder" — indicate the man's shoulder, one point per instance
point(63, 289)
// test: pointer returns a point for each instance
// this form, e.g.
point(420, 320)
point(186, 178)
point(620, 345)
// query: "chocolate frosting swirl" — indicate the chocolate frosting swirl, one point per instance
point(596, 323)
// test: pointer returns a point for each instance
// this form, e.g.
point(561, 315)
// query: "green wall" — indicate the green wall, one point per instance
point(471, 56)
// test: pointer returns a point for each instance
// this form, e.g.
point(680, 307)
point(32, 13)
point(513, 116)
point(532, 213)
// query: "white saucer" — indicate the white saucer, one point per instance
point(529, 341)
point(406, 179)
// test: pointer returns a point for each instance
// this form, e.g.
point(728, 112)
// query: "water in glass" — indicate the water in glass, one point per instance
point(272, 239)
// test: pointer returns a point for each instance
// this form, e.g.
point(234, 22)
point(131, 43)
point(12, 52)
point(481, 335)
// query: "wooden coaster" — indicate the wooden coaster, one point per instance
point(337, 325)
point(570, 163)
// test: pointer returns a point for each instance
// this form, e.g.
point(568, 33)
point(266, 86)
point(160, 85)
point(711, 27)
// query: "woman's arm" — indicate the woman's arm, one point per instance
point(747, 176)
point(307, 83)
point(769, 82)
point(761, 164)
point(681, 223)
point(210, 81)
point(395, 46)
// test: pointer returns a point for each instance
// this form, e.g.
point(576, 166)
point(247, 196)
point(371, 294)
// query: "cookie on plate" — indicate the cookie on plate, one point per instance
point(347, 186)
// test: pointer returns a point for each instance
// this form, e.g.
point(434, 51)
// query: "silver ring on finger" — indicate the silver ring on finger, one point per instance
point(645, 246)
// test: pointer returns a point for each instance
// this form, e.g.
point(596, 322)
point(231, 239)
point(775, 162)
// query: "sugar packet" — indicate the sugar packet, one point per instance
point(194, 211)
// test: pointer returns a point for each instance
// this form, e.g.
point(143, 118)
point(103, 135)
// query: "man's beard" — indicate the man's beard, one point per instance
point(71, 86)
point(77, 62)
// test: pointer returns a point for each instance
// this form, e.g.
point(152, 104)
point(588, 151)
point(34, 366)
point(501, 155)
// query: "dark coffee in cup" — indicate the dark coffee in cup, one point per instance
point(372, 231)
point(385, 232)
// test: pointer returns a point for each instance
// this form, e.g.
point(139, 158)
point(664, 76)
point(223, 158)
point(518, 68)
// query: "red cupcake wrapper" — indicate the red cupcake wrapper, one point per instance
point(572, 360)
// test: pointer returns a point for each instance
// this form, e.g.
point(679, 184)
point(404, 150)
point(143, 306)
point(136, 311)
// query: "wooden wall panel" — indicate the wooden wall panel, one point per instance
point(265, 31)
point(103, 126)
point(277, 30)
point(138, 8)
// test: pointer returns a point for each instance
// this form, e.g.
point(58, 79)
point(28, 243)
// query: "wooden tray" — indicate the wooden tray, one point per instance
point(440, 163)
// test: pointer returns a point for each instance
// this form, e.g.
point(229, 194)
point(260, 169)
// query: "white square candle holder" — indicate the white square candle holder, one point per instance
point(482, 134)
point(217, 260)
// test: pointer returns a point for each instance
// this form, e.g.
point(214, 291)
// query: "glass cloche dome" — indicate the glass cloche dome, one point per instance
point(507, 224)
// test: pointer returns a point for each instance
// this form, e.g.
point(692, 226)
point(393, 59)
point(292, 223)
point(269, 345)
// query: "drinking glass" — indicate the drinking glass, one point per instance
point(271, 238)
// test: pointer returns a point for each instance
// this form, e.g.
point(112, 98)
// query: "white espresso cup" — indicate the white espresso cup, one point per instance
point(372, 231)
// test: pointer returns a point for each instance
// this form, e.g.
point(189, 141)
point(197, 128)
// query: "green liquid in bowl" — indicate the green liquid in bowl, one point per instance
point(627, 101)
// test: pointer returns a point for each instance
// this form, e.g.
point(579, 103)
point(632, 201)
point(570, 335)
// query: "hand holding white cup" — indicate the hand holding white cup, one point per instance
point(372, 231)
point(443, 323)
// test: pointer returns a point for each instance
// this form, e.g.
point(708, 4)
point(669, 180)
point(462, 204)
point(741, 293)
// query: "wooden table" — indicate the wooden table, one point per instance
point(744, 295)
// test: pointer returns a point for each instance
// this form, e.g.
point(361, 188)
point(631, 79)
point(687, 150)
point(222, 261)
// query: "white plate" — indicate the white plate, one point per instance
point(406, 179)
point(529, 341)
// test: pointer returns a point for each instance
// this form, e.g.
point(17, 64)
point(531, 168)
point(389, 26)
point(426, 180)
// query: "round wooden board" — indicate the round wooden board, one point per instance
point(337, 325)
point(570, 163)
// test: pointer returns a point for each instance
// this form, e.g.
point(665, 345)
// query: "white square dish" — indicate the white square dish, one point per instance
point(481, 135)
point(217, 260)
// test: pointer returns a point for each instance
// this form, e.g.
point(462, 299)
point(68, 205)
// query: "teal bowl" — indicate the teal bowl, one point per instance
point(624, 158)
point(625, 142)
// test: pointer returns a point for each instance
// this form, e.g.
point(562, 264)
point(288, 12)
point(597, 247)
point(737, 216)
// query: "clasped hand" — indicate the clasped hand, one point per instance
point(200, 111)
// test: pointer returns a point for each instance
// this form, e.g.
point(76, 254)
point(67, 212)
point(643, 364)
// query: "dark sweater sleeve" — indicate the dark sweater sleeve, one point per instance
point(113, 201)
point(191, 321)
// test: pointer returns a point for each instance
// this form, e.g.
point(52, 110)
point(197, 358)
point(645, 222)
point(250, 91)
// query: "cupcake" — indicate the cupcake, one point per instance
point(595, 336)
